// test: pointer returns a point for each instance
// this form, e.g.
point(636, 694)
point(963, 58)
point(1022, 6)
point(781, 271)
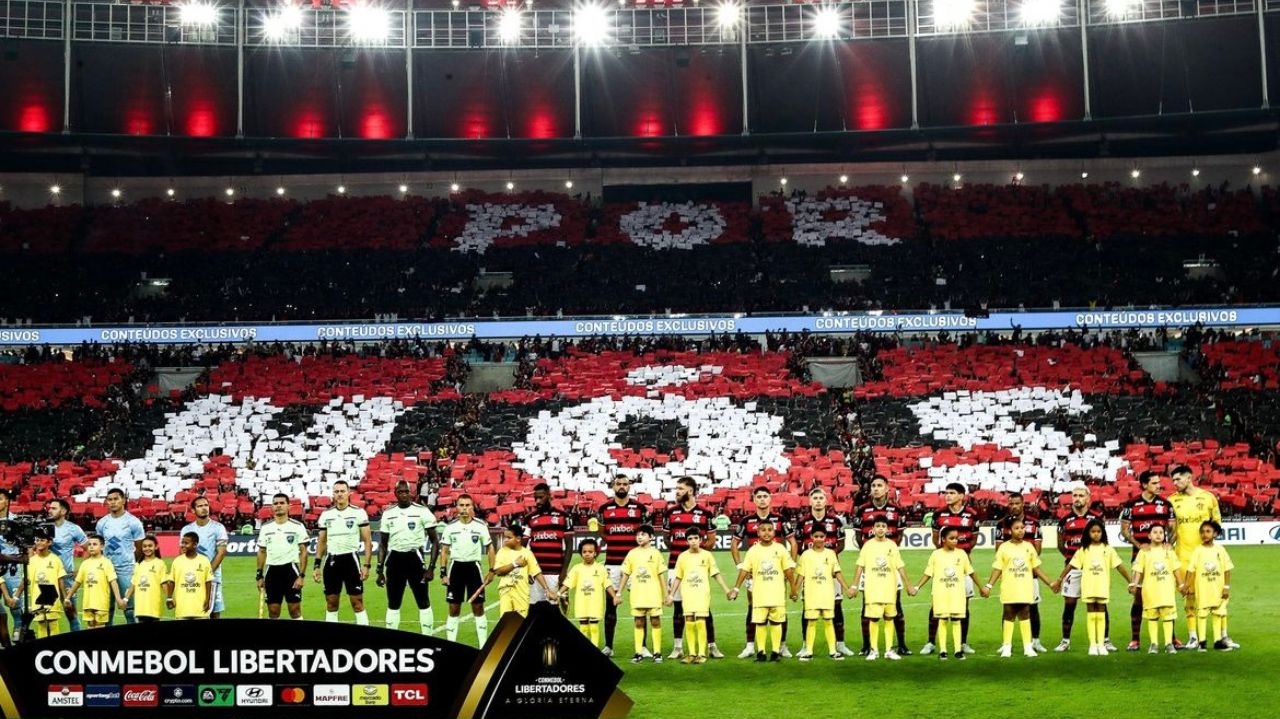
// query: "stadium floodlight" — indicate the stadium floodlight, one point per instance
point(277, 25)
point(198, 14)
point(1257, 170)
point(728, 15)
point(953, 15)
point(115, 193)
point(783, 182)
point(826, 23)
point(1119, 9)
point(1084, 176)
point(342, 189)
point(510, 21)
point(368, 24)
point(1018, 175)
point(905, 179)
point(1195, 172)
point(568, 184)
point(956, 177)
point(55, 189)
point(510, 186)
point(456, 3)
point(170, 192)
point(454, 187)
point(844, 179)
point(1135, 173)
point(1039, 13)
point(280, 191)
point(591, 25)
point(230, 191)
point(404, 189)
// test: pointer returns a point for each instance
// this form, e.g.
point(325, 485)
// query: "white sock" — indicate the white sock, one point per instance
point(330, 616)
point(298, 618)
point(451, 629)
point(393, 619)
point(482, 630)
point(677, 645)
point(426, 619)
point(362, 617)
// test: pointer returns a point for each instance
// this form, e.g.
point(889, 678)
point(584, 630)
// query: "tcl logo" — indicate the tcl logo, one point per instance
point(408, 695)
point(140, 695)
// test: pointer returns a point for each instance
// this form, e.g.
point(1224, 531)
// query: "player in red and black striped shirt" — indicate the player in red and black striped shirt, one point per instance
point(620, 519)
point(684, 515)
point(1031, 525)
point(864, 519)
point(1140, 514)
point(745, 538)
point(833, 529)
point(1071, 529)
point(961, 516)
point(548, 533)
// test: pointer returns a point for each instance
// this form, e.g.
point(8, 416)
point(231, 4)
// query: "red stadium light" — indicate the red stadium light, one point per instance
point(34, 117)
point(983, 111)
point(202, 121)
point(706, 120)
point(138, 122)
point(542, 124)
point(375, 125)
point(309, 124)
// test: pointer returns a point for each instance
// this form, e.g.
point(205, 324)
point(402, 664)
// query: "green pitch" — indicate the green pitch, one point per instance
point(1236, 684)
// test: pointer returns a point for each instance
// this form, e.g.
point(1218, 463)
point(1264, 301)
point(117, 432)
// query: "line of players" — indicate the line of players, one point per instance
point(345, 546)
point(1190, 517)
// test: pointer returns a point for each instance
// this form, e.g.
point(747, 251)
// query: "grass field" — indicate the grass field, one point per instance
point(1237, 684)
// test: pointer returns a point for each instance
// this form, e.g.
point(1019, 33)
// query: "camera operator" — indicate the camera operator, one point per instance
point(66, 537)
point(11, 560)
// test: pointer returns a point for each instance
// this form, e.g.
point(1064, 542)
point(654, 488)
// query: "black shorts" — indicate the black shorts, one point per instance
point(340, 570)
point(278, 584)
point(464, 580)
point(406, 569)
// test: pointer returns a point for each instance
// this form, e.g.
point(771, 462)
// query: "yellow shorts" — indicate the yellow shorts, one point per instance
point(768, 615)
point(640, 613)
point(95, 616)
point(1162, 613)
point(877, 611)
point(698, 613)
point(1218, 611)
point(507, 603)
point(812, 614)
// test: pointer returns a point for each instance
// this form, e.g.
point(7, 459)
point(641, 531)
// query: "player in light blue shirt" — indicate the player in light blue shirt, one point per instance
point(122, 535)
point(213, 545)
point(11, 569)
point(66, 537)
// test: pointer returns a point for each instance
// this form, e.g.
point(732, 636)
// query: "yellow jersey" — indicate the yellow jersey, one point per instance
point(818, 570)
point(1159, 585)
point(695, 570)
point(880, 561)
point(148, 587)
point(1017, 562)
point(96, 575)
point(948, 569)
point(1207, 569)
point(191, 585)
point(767, 565)
point(1190, 511)
point(1095, 563)
point(589, 583)
point(514, 586)
point(646, 566)
point(47, 571)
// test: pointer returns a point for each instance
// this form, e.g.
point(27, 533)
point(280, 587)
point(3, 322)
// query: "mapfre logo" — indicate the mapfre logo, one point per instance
point(408, 695)
point(66, 695)
point(331, 695)
point(140, 695)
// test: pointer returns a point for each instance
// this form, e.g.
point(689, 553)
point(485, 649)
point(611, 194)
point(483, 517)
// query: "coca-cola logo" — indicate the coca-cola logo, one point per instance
point(140, 696)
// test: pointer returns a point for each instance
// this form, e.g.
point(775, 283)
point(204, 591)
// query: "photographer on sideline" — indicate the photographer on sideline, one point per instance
point(12, 557)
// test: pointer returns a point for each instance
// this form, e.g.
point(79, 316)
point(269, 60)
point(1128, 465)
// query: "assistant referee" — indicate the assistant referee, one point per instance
point(282, 550)
point(404, 530)
point(462, 544)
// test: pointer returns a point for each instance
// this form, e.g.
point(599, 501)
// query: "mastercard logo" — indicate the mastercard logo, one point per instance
point(293, 695)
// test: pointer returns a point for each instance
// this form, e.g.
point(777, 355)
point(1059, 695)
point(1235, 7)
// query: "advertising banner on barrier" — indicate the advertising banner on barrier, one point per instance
point(540, 666)
point(845, 323)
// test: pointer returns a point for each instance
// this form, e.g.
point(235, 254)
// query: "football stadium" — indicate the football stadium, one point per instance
point(678, 357)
